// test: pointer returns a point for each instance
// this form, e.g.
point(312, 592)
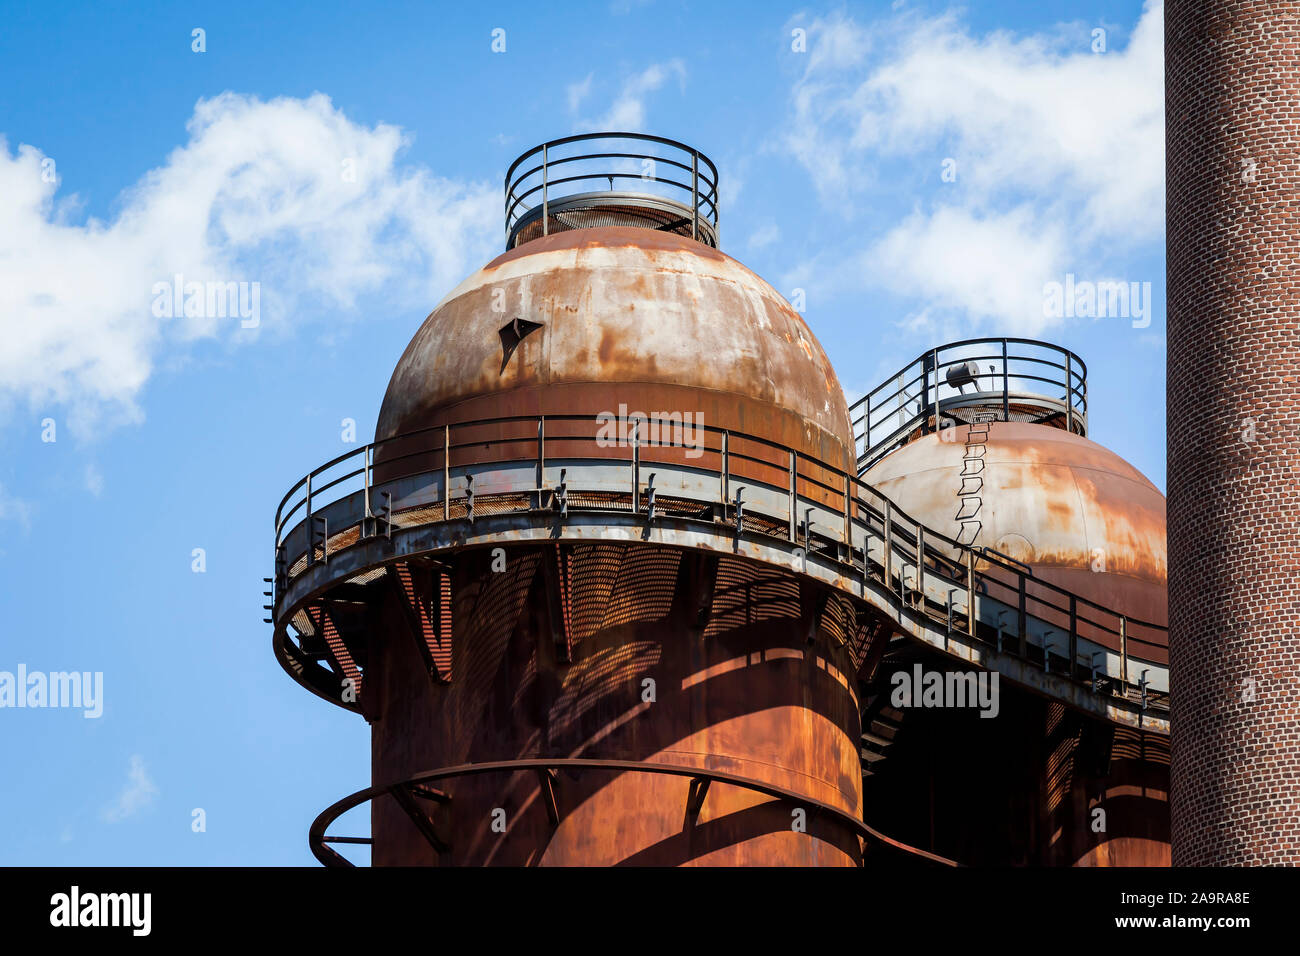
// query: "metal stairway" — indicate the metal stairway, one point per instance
point(880, 721)
point(878, 735)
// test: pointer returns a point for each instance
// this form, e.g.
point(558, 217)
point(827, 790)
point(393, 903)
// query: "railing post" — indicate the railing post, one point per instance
point(546, 207)
point(866, 424)
point(887, 562)
point(794, 506)
point(948, 626)
point(1006, 385)
point(695, 195)
point(446, 472)
point(636, 468)
point(920, 563)
point(311, 534)
point(365, 477)
point(970, 592)
point(926, 362)
point(726, 472)
point(1074, 633)
point(541, 460)
point(1020, 619)
point(1069, 405)
point(1123, 650)
point(848, 514)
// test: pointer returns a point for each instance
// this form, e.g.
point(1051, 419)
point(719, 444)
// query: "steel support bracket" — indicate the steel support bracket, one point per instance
point(695, 798)
point(546, 785)
point(402, 795)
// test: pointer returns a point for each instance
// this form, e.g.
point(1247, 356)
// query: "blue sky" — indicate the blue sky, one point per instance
point(177, 434)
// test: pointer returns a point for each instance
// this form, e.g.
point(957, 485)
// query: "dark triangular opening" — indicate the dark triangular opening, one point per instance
point(512, 333)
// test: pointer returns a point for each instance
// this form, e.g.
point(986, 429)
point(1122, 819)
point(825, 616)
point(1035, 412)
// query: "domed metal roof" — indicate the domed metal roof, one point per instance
point(1079, 515)
point(583, 320)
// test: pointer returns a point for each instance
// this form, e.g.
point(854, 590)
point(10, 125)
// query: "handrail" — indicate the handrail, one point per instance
point(552, 163)
point(318, 836)
point(935, 383)
point(849, 501)
point(702, 208)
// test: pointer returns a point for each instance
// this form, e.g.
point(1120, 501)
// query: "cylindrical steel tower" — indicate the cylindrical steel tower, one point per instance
point(985, 442)
point(542, 599)
point(1232, 72)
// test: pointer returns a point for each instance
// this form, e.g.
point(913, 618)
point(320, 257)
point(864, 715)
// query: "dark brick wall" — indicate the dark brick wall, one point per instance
point(1233, 153)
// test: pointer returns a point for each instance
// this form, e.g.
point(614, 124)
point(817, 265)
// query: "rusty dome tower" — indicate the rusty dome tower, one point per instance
point(561, 589)
point(985, 443)
point(613, 584)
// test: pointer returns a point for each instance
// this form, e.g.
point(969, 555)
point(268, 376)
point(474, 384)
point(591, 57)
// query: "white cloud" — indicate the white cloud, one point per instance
point(1058, 151)
point(764, 236)
point(138, 793)
point(578, 92)
point(94, 480)
point(627, 112)
point(983, 267)
point(259, 192)
point(15, 509)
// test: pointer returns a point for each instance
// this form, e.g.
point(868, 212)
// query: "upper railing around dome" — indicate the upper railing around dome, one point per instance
point(670, 187)
point(1011, 380)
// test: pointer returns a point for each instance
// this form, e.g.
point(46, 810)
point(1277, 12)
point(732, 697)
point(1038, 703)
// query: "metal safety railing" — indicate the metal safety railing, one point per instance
point(1007, 377)
point(658, 182)
point(415, 793)
point(752, 486)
